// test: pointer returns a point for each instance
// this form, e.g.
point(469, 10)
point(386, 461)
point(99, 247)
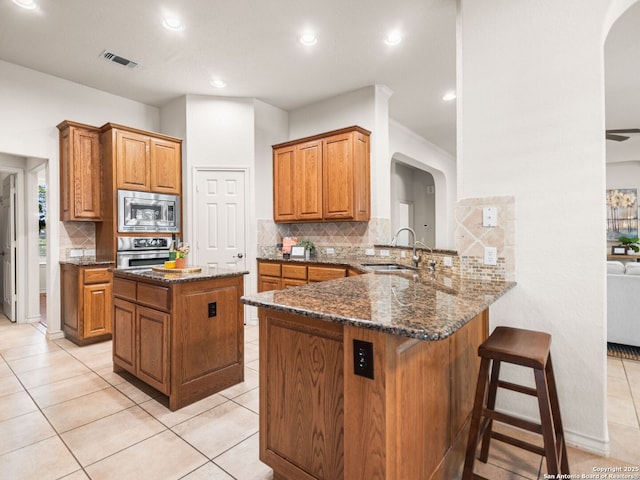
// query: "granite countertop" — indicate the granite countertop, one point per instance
point(147, 273)
point(413, 304)
point(87, 262)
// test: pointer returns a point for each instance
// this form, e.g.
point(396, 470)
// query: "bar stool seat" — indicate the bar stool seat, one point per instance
point(527, 348)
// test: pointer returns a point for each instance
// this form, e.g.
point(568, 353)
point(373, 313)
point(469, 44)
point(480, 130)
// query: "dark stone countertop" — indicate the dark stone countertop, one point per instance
point(413, 304)
point(146, 273)
point(87, 262)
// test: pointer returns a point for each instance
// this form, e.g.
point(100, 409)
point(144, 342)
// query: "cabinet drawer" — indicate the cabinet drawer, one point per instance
point(294, 271)
point(270, 269)
point(320, 274)
point(97, 275)
point(153, 296)
point(124, 288)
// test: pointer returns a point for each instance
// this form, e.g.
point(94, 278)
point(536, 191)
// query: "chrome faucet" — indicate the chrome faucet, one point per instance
point(415, 259)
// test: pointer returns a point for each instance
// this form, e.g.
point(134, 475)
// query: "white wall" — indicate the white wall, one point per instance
point(530, 122)
point(272, 127)
point(32, 105)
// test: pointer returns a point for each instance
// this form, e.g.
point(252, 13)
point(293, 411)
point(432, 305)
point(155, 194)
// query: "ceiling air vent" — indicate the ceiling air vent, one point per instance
point(112, 57)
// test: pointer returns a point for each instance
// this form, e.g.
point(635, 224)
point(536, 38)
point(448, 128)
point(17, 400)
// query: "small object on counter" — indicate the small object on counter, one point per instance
point(172, 251)
point(287, 243)
point(181, 262)
point(170, 263)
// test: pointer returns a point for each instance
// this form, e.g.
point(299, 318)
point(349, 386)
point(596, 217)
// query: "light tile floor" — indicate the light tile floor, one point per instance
point(65, 414)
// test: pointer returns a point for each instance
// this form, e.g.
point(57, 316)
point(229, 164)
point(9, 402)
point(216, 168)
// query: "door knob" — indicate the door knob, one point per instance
point(238, 256)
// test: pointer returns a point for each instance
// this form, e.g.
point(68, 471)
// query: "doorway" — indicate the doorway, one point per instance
point(24, 268)
point(413, 202)
point(220, 218)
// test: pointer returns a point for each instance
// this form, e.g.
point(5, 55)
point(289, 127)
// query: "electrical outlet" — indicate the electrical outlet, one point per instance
point(370, 252)
point(213, 307)
point(363, 358)
point(490, 256)
point(403, 254)
point(89, 252)
point(75, 252)
point(447, 261)
point(385, 253)
point(331, 251)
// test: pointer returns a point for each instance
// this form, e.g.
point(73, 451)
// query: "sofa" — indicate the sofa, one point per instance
point(623, 303)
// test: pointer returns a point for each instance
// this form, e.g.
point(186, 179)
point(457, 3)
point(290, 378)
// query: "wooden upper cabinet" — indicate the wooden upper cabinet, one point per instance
point(283, 182)
point(308, 181)
point(166, 166)
point(323, 178)
point(80, 173)
point(132, 161)
point(143, 161)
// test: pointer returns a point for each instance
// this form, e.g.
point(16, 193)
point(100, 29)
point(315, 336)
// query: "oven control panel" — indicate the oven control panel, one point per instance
point(143, 243)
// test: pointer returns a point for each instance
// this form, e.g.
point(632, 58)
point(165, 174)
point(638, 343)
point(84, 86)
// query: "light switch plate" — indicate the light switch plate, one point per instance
point(385, 253)
point(330, 251)
point(370, 252)
point(75, 253)
point(447, 261)
point(489, 217)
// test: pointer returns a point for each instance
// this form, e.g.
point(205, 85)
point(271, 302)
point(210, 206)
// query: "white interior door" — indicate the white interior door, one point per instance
point(8, 252)
point(220, 219)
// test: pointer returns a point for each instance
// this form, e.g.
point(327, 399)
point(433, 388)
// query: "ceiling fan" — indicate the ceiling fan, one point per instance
point(612, 134)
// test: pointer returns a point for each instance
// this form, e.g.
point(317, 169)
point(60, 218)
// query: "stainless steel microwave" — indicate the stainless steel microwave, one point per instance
point(148, 212)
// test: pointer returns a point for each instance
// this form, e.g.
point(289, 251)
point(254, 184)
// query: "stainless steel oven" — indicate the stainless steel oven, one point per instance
point(148, 212)
point(142, 251)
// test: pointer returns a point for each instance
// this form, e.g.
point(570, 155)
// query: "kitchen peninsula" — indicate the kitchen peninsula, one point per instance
point(181, 333)
point(371, 376)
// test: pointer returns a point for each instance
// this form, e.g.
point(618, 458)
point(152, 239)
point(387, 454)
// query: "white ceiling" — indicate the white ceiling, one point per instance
point(252, 45)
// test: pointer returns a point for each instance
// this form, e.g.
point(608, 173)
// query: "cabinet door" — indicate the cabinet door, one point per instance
point(69, 299)
point(97, 309)
point(132, 161)
point(290, 282)
point(80, 175)
point(124, 334)
point(153, 348)
point(337, 164)
point(283, 185)
point(308, 181)
point(268, 283)
point(166, 174)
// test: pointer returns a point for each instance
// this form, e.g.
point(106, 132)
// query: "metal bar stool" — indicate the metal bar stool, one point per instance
point(527, 348)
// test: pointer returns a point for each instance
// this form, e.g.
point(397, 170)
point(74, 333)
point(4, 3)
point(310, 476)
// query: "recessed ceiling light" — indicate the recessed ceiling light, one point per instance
point(216, 82)
point(172, 23)
point(393, 38)
point(447, 97)
point(28, 4)
point(308, 39)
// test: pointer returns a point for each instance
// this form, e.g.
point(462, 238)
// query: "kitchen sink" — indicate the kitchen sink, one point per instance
point(388, 267)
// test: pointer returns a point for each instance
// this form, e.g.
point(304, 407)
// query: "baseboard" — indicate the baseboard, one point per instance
point(590, 444)
point(54, 335)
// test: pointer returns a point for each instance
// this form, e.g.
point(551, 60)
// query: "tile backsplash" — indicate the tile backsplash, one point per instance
point(76, 236)
point(343, 236)
point(472, 237)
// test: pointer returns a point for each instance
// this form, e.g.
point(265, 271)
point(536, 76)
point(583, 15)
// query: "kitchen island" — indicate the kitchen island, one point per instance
point(371, 376)
point(180, 333)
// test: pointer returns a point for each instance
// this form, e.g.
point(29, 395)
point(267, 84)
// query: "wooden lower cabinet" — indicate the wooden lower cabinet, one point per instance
point(321, 421)
point(85, 295)
point(185, 339)
point(277, 275)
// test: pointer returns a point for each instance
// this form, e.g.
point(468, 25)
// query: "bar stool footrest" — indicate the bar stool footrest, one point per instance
point(511, 420)
point(517, 388)
point(501, 437)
